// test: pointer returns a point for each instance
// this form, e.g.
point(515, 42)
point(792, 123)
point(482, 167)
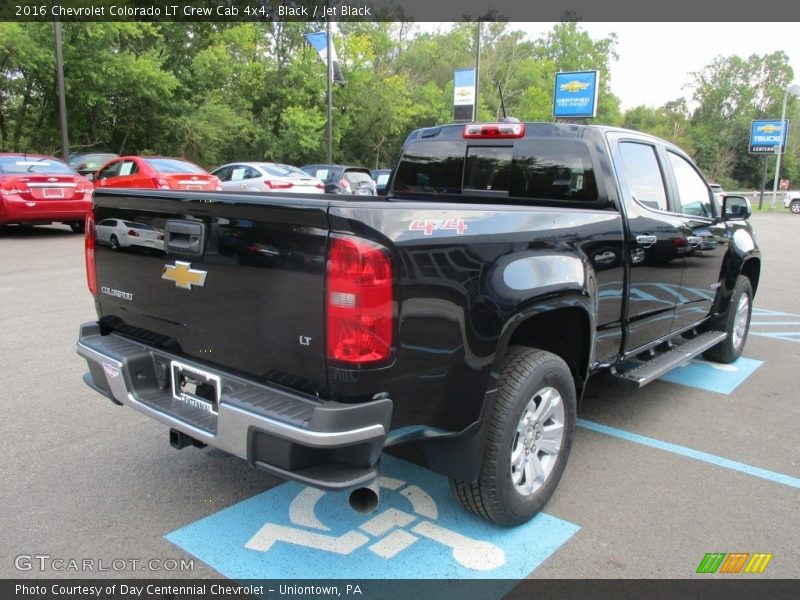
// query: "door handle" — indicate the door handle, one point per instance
point(646, 240)
point(605, 258)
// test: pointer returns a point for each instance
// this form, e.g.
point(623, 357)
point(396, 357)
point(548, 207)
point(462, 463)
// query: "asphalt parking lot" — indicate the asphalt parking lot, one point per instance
point(657, 479)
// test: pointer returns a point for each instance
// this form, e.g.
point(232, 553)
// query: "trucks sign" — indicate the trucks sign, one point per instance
point(768, 137)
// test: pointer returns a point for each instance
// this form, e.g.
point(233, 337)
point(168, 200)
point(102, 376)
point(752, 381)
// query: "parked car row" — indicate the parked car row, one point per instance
point(39, 189)
point(171, 173)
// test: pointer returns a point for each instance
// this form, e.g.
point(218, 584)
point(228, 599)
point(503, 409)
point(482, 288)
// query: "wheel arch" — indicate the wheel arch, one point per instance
point(552, 326)
point(751, 268)
point(564, 330)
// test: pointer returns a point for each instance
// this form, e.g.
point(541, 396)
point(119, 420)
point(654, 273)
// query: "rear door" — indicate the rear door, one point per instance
point(656, 242)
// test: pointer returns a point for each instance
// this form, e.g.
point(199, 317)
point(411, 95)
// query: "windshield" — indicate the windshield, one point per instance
point(20, 165)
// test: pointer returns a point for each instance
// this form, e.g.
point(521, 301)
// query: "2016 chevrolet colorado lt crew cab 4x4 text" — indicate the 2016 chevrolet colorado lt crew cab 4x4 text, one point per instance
point(464, 312)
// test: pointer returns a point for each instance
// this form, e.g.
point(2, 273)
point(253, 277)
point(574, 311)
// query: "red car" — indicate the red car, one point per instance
point(38, 189)
point(155, 172)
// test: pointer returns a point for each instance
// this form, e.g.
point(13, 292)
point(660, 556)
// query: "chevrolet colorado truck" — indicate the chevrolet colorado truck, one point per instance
point(464, 312)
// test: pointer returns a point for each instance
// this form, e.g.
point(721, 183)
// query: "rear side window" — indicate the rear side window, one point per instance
point(431, 167)
point(644, 174)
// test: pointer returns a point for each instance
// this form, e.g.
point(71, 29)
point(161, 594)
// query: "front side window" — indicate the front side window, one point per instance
point(111, 170)
point(693, 193)
point(644, 174)
point(223, 173)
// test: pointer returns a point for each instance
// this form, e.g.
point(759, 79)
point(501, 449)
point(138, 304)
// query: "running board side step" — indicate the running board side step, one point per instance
point(639, 373)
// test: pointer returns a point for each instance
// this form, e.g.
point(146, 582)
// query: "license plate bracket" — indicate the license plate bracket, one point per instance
point(195, 387)
point(52, 193)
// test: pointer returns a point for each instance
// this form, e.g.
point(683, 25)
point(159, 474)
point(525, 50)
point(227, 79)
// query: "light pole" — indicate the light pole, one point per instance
point(794, 90)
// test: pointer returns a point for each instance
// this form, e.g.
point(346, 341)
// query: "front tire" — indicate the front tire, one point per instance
point(528, 439)
point(114, 242)
point(736, 324)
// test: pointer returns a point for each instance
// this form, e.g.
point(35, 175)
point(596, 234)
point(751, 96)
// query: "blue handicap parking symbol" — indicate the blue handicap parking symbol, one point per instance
point(714, 377)
point(418, 532)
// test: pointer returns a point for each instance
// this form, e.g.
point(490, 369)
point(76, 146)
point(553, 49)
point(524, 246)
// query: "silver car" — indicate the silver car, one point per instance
point(267, 177)
point(124, 234)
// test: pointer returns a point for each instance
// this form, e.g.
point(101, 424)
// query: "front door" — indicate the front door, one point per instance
point(707, 238)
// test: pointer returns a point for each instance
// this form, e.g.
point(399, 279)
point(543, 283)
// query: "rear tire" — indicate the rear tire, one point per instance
point(794, 206)
point(77, 226)
point(736, 324)
point(528, 439)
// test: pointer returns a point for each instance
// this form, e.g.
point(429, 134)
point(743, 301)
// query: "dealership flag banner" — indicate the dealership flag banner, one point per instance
point(320, 42)
point(464, 95)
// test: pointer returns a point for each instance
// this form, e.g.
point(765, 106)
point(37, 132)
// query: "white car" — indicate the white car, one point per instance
point(123, 234)
point(792, 201)
point(267, 177)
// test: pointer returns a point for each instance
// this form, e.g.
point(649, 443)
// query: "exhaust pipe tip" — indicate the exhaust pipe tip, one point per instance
point(364, 500)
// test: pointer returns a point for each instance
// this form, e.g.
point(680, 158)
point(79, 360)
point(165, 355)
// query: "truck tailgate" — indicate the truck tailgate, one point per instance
point(236, 281)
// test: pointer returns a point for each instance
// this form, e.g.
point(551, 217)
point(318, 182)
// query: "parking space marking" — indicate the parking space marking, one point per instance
point(764, 322)
point(711, 376)
point(692, 453)
point(418, 532)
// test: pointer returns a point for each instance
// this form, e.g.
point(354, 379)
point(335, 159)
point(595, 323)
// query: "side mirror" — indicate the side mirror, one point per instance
point(736, 208)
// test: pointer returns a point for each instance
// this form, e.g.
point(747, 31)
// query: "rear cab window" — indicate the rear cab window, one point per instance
point(171, 165)
point(526, 170)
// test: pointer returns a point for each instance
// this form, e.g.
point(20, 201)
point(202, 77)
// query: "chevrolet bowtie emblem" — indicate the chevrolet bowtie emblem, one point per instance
point(183, 275)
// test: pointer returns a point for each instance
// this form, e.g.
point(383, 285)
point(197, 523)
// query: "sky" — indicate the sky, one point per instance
point(656, 59)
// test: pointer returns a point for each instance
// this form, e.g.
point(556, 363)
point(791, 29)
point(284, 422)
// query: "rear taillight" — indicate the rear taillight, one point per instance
point(133, 233)
point(278, 185)
point(161, 183)
point(12, 186)
point(83, 185)
point(89, 241)
point(494, 130)
point(345, 185)
point(319, 186)
point(359, 307)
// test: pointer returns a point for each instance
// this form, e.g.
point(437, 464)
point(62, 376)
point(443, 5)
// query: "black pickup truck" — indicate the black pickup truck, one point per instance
point(463, 313)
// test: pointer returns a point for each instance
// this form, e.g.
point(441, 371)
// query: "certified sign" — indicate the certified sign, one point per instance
point(768, 137)
point(576, 94)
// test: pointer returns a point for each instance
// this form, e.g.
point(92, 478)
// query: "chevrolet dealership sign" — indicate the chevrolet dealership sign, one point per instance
point(768, 137)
